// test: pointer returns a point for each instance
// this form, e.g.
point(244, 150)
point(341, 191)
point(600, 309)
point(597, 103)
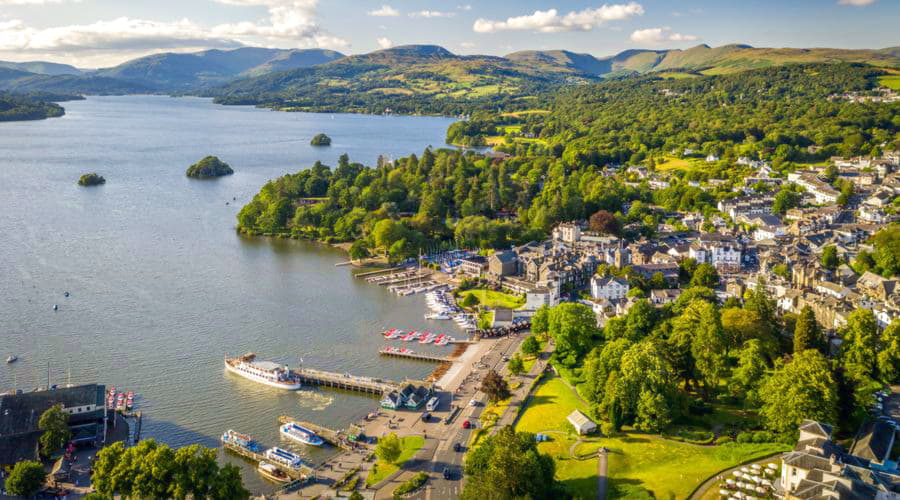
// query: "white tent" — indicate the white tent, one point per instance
point(583, 425)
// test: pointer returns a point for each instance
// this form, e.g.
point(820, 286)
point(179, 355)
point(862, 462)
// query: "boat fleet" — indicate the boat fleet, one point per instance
point(415, 335)
point(274, 459)
point(120, 400)
point(443, 307)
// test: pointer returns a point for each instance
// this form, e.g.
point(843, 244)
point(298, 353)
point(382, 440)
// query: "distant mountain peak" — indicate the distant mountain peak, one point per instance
point(432, 51)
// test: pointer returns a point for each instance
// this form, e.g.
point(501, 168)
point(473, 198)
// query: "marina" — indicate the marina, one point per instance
point(367, 385)
point(407, 354)
point(286, 462)
point(335, 438)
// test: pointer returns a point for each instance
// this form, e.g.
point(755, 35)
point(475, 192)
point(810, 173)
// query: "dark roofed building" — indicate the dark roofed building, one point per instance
point(874, 441)
point(20, 413)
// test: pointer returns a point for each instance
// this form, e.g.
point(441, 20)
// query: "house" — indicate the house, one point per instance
point(711, 158)
point(540, 296)
point(609, 288)
point(503, 263)
point(391, 400)
point(418, 397)
point(567, 232)
point(822, 192)
point(20, 412)
point(664, 296)
point(473, 265)
point(723, 252)
point(819, 468)
point(875, 286)
point(668, 271)
point(502, 318)
point(583, 425)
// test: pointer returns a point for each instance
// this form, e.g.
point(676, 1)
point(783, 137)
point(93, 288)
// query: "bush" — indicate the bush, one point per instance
point(745, 437)
point(724, 439)
point(608, 429)
point(763, 437)
point(412, 485)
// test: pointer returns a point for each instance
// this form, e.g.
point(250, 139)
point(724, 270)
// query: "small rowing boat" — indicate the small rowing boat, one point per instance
point(272, 472)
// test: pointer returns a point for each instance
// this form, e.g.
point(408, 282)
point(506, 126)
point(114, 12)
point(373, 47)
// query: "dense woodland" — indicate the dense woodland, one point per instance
point(16, 107)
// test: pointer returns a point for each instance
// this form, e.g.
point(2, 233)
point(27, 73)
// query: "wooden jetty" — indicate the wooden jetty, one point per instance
point(346, 381)
point(377, 271)
point(335, 438)
point(416, 356)
point(302, 473)
point(403, 280)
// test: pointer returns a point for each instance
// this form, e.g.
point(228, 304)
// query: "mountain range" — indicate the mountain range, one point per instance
point(412, 70)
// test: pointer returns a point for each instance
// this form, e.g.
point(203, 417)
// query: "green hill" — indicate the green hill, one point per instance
point(41, 67)
point(17, 108)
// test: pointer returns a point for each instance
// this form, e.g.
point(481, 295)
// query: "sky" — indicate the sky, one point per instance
point(101, 33)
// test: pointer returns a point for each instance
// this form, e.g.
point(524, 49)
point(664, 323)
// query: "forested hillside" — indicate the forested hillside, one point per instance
point(401, 207)
point(15, 108)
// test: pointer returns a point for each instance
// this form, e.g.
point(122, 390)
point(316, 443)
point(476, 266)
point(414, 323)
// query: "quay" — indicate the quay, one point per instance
point(304, 472)
point(346, 381)
point(333, 437)
point(416, 356)
point(403, 280)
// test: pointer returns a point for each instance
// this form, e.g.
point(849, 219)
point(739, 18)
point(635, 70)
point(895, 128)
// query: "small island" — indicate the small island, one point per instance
point(209, 167)
point(91, 179)
point(321, 140)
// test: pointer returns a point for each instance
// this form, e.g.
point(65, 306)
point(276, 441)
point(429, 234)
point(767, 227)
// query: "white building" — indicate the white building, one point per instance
point(583, 425)
point(609, 288)
point(538, 297)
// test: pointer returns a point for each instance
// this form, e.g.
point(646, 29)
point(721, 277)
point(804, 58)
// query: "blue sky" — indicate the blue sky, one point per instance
point(96, 33)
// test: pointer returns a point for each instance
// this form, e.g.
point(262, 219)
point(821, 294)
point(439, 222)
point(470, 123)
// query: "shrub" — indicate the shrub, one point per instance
point(724, 439)
point(745, 437)
point(608, 429)
point(763, 437)
point(412, 485)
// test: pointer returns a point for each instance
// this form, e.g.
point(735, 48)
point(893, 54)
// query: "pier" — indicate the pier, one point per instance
point(333, 437)
point(377, 272)
point(304, 472)
point(346, 381)
point(416, 356)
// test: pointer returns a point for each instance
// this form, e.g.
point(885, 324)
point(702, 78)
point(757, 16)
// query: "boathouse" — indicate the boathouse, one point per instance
point(20, 413)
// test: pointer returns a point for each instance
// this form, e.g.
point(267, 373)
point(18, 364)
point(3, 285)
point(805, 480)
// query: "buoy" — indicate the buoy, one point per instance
point(55, 307)
point(66, 294)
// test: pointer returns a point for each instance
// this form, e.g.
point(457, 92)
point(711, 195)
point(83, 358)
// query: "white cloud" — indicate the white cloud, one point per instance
point(431, 13)
point(35, 2)
point(384, 42)
point(659, 35)
point(550, 21)
point(856, 3)
point(467, 45)
point(465, 7)
point(290, 23)
point(385, 11)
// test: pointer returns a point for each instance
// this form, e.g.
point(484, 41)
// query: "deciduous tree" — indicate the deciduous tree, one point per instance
point(54, 423)
point(26, 479)
point(494, 386)
point(803, 388)
point(389, 448)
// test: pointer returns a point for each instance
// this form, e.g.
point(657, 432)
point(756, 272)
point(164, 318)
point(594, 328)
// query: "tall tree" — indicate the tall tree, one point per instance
point(803, 388)
point(860, 346)
point(389, 448)
point(750, 371)
point(573, 327)
point(889, 357)
point(806, 333)
point(605, 223)
point(495, 386)
point(705, 275)
point(509, 465)
point(55, 426)
point(830, 258)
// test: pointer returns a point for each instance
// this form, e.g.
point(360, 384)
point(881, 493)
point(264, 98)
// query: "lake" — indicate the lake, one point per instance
point(161, 286)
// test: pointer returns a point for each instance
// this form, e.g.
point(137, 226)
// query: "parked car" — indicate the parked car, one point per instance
point(447, 473)
point(426, 417)
point(466, 424)
point(456, 447)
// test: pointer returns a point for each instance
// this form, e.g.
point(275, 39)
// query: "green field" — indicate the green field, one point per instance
point(411, 444)
point(677, 75)
point(891, 81)
point(494, 299)
point(673, 163)
point(668, 469)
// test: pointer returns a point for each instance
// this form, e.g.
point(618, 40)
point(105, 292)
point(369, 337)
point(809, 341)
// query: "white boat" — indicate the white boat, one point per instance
point(284, 457)
point(272, 472)
point(241, 440)
point(437, 315)
point(11, 359)
point(300, 434)
point(264, 372)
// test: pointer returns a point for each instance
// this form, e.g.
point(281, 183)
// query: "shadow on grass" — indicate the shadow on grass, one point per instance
point(628, 488)
point(632, 439)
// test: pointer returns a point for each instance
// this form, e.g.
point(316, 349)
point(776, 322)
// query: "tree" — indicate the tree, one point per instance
point(698, 344)
point(605, 223)
point(785, 200)
point(470, 300)
point(643, 368)
point(803, 388)
point(652, 412)
point(151, 470)
point(359, 250)
point(887, 251)
point(830, 258)
point(860, 346)
point(637, 323)
point(705, 275)
point(26, 479)
point(763, 306)
point(806, 332)
point(389, 448)
point(531, 346)
point(55, 426)
point(516, 366)
point(540, 322)
point(494, 386)
point(509, 465)
point(750, 371)
point(573, 327)
point(889, 357)
point(355, 496)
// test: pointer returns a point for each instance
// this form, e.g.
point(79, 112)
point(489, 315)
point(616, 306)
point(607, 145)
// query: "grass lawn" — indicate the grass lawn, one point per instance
point(676, 75)
point(411, 445)
point(673, 163)
point(493, 299)
point(891, 82)
point(668, 469)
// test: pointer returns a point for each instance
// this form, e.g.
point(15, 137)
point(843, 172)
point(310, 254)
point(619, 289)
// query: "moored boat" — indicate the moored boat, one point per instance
point(11, 359)
point(240, 440)
point(301, 434)
point(427, 338)
point(264, 372)
point(272, 472)
point(284, 457)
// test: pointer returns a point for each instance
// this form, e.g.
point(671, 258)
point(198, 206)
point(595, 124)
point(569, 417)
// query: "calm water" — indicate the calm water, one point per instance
point(162, 288)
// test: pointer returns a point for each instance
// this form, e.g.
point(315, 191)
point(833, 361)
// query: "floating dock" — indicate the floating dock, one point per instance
point(304, 472)
point(416, 356)
point(346, 381)
point(333, 437)
point(377, 272)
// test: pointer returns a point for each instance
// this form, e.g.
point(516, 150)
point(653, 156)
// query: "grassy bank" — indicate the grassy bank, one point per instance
point(381, 470)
